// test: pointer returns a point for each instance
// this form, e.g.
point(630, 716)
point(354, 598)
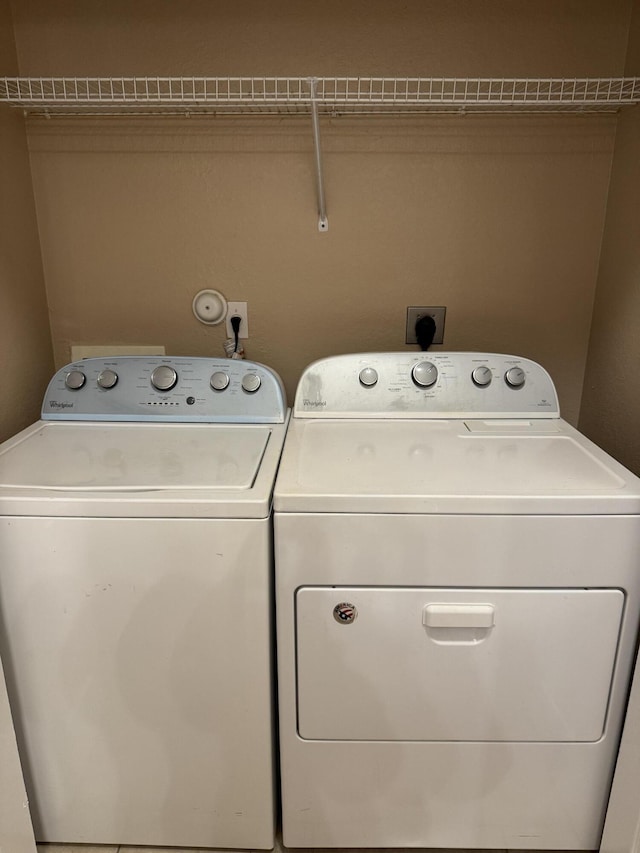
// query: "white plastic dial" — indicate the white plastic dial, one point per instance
point(107, 379)
point(514, 377)
point(251, 382)
point(219, 380)
point(368, 377)
point(74, 380)
point(164, 378)
point(424, 374)
point(482, 376)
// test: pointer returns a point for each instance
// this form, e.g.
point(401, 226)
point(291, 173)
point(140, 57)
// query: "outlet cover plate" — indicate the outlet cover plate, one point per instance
point(238, 309)
point(415, 312)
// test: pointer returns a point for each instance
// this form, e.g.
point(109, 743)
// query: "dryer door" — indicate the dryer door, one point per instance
point(455, 664)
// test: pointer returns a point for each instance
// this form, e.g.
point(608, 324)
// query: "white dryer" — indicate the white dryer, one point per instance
point(136, 601)
point(457, 597)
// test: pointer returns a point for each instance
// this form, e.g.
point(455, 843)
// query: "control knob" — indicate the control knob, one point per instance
point(251, 382)
point(107, 379)
point(74, 380)
point(219, 380)
point(164, 378)
point(424, 374)
point(368, 377)
point(482, 376)
point(514, 377)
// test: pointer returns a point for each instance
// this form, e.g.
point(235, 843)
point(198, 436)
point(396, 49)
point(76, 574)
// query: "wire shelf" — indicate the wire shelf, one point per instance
point(296, 95)
point(312, 96)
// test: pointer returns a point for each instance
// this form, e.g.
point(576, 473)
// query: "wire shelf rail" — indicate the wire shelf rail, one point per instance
point(333, 95)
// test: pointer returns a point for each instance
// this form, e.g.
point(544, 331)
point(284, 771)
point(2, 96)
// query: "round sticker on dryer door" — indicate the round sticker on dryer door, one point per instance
point(345, 613)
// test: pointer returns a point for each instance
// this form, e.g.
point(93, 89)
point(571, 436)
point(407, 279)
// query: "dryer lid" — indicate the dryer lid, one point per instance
point(449, 466)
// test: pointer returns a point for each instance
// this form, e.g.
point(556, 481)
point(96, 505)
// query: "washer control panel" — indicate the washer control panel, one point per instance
point(135, 388)
point(426, 385)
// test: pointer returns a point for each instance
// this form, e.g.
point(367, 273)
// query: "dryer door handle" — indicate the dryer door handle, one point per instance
point(458, 616)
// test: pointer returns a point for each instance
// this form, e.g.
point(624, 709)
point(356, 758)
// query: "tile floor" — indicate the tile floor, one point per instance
point(87, 848)
point(124, 848)
point(110, 848)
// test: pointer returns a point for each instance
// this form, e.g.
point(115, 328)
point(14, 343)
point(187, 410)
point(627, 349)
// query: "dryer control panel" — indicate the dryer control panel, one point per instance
point(153, 388)
point(426, 385)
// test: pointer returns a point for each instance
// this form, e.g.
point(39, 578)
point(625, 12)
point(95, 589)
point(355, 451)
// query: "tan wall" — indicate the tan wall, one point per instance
point(610, 412)
point(25, 340)
point(332, 37)
point(498, 218)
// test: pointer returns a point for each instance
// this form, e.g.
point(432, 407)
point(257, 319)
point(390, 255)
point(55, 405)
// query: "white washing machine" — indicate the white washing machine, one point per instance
point(136, 601)
point(457, 597)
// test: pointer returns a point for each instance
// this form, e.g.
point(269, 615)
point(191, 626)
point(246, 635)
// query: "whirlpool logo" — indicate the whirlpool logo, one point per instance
point(314, 404)
point(54, 404)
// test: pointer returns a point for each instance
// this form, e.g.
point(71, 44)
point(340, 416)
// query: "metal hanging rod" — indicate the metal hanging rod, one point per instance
point(323, 222)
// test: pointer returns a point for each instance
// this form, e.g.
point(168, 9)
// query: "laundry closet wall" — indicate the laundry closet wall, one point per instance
point(498, 218)
point(26, 360)
point(610, 412)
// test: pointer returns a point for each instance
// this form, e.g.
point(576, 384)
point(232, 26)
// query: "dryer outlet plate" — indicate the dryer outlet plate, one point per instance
point(414, 313)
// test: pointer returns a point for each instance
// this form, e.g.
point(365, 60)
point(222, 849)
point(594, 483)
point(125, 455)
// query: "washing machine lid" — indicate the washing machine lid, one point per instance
point(140, 469)
point(149, 436)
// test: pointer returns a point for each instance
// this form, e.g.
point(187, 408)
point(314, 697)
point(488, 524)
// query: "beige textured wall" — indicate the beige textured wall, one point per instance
point(610, 413)
point(25, 339)
point(498, 218)
point(22, 358)
point(333, 37)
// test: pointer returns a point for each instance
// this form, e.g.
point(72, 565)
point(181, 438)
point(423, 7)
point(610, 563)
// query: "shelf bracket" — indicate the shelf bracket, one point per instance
point(323, 222)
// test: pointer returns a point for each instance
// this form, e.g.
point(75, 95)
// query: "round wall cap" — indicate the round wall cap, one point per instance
point(210, 307)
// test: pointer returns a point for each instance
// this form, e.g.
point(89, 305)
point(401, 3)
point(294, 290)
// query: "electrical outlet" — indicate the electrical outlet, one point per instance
point(414, 313)
point(238, 309)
